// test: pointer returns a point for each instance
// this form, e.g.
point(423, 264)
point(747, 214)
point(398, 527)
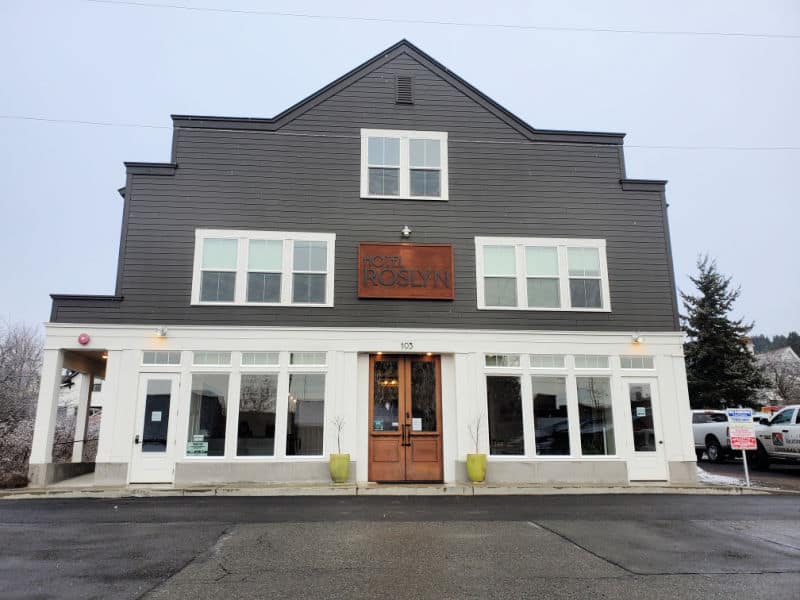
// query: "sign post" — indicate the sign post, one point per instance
point(743, 434)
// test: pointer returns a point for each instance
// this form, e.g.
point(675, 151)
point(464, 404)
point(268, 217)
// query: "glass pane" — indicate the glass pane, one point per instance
point(423, 394)
point(594, 409)
point(383, 151)
point(541, 262)
point(547, 361)
point(260, 358)
point(500, 291)
point(385, 396)
point(644, 437)
point(257, 399)
point(212, 358)
point(583, 262)
point(156, 415)
point(306, 417)
point(219, 253)
point(636, 362)
point(161, 357)
point(543, 293)
point(263, 287)
point(307, 358)
point(502, 360)
point(504, 401)
point(310, 256)
point(425, 183)
point(499, 260)
point(207, 415)
point(550, 415)
point(265, 255)
point(585, 293)
point(425, 153)
point(590, 361)
point(217, 286)
point(384, 182)
point(308, 289)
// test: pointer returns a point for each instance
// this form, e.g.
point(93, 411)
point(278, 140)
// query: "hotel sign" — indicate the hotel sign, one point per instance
point(406, 271)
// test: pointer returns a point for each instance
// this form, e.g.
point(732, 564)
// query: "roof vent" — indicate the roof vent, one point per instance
point(404, 91)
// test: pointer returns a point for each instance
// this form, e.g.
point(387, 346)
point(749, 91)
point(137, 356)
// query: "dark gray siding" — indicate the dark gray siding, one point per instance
point(305, 177)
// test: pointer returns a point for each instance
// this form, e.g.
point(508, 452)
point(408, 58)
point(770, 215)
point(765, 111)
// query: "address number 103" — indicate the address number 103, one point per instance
point(406, 345)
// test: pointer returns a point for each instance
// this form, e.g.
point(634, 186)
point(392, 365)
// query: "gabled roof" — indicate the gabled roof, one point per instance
point(398, 49)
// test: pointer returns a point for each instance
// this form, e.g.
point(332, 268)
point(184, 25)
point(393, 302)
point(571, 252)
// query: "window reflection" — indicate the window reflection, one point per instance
point(207, 415)
point(597, 421)
point(256, 433)
point(505, 415)
point(306, 415)
point(550, 415)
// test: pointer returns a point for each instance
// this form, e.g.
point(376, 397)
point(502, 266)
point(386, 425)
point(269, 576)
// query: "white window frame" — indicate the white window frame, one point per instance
point(561, 244)
point(287, 267)
point(404, 181)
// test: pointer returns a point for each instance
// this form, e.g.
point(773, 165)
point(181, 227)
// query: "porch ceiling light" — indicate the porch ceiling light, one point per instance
point(162, 331)
point(406, 231)
point(637, 338)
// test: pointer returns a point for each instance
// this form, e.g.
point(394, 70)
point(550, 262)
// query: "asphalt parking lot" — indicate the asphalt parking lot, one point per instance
point(624, 546)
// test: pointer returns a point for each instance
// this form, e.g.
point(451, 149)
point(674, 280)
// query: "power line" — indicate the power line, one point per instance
point(272, 13)
point(147, 126)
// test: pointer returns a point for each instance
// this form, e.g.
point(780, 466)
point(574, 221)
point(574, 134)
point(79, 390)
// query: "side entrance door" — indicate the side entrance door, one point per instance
point(153, 457)
point(647, 461)
point(405, 418)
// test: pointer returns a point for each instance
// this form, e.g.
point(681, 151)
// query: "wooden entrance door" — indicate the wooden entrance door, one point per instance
point(405, 418)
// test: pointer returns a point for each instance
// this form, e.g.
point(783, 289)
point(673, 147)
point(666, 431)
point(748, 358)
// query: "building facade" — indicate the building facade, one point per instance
point(396, 267)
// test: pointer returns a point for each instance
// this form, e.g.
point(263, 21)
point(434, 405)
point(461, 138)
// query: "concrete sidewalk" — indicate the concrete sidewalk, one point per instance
point(85, 489)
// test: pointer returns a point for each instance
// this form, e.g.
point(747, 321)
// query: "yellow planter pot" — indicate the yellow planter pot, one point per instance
point(476, 467)
point(339, 466)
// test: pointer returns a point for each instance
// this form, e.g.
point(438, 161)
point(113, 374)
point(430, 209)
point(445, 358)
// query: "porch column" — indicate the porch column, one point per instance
point(46, 410)
point(82, 418)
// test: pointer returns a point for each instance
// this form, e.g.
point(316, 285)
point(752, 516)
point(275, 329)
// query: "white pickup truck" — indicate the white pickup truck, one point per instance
point(711, 434)
point(778, 439)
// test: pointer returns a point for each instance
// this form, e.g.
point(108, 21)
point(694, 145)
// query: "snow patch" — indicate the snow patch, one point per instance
point(711, 479)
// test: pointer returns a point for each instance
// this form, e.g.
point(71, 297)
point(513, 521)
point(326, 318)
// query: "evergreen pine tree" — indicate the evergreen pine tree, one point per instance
point(720, 368)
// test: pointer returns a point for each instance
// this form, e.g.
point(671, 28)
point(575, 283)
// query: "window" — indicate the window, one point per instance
point(97, 385)
point(222, 359)
point(596, 417)
point(504, 402)
point(207, 415)
point(502, 360)
point(257, 400)
point(263, 268)
point(404, 164)
point(547, 361)
point(259, 359)
point(161, 357)
point(589, 361)
point(542, 274)
point(550, 419)
point(307, 358)
point(306, 415)
point(636, 362)
point(783, 417)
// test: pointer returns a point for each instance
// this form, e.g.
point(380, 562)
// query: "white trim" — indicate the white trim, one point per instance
point(404, 182)
point(561, 244)
point(287, 268)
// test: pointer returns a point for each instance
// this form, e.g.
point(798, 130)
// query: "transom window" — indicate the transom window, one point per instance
point(263, 268)
point(404, 164)
point(542, 274)
point(636, 362)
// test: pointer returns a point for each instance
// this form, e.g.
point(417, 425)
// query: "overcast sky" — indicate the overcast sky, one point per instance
point(706, 112)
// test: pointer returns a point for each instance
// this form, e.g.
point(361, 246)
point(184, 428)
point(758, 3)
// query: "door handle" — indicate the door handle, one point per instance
point(136, 439)
point(406, 436)
point(785, 430)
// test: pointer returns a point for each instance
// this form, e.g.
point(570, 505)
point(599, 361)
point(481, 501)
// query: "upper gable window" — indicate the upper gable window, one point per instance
point(542, 274)
point(404, 164)
point(263, 268)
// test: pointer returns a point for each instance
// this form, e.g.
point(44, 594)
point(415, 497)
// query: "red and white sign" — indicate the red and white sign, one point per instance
point(742, 429)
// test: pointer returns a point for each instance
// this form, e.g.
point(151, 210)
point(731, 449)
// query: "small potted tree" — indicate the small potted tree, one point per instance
point(476, 462)
point(339, 464)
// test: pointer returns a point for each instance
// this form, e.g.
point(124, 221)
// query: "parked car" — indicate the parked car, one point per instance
point(711, 434)
point(778, 439)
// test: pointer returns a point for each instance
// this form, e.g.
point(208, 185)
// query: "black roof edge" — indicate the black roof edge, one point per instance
point(148, 168)
point(643, 185)
point(93, 297)
point(212, 122)
point(121, 191)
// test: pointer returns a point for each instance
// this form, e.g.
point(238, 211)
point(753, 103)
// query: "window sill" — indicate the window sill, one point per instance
point(265, 304)
point(424, 198)
point(525, 308)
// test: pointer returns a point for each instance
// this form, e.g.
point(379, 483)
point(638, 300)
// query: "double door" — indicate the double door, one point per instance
point(405, 418)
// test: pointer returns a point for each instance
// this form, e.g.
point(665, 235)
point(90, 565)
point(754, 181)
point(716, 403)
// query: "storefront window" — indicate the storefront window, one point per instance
point(256, 433)
point(306, 415)
point(597, 421)
point(207, 415)
point(504, 399)
point(550, 419)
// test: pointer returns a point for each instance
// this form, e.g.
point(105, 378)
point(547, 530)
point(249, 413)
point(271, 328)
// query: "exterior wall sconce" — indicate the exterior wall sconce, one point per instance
point(637, 338)
point(162, 331)
point(406, 231)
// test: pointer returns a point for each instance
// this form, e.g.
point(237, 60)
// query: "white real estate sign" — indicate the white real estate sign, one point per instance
point(742, 429)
